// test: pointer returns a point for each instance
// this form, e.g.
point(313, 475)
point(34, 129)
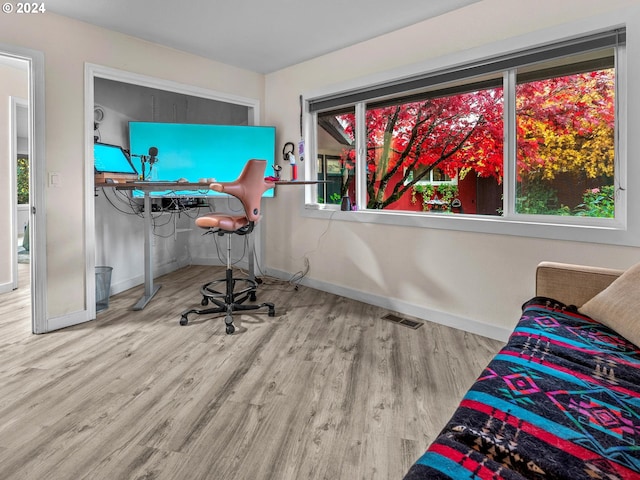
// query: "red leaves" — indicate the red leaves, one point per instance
point(557, 119)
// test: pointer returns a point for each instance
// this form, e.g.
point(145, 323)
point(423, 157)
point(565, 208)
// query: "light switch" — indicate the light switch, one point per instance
point(55, 179)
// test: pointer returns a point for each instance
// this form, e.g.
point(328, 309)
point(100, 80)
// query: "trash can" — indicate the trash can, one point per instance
point(103, 287)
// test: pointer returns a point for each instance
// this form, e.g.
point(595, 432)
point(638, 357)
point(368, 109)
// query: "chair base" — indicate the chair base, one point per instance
point(228, 301)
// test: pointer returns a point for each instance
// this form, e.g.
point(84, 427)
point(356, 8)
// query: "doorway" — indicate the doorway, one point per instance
point(22, 276)
point(19, 155)
point(14, 137)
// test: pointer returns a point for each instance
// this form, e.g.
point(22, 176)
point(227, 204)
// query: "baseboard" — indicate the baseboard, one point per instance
point(127, 283)
point(6, 287)
point(74, 318)
point(406, 308)
point(131, 282)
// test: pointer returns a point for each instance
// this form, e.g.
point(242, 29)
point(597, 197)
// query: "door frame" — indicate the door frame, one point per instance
point(37, 197)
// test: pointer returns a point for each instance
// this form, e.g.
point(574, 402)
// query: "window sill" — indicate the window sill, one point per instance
point(607, 232)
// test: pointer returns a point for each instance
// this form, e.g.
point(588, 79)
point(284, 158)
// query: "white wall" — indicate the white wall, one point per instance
point(472, 280)
point(67, 45)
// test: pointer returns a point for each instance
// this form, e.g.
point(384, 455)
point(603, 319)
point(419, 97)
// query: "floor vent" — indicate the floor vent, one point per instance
point(402, 321)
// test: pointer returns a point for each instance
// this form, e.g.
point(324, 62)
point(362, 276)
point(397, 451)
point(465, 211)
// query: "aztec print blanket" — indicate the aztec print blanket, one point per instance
point(560, 401)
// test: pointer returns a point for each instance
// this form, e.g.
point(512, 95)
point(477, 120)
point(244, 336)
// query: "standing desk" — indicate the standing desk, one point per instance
point(147, 187)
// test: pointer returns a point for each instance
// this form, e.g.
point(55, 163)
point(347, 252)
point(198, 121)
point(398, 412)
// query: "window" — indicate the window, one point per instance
point(527, 137)
point(336, 155)
point(565, 132)
point(441, 134)
point(435, 176)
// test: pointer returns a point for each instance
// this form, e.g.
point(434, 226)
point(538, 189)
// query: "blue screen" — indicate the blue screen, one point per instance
point(197, 151)
point(111, 159)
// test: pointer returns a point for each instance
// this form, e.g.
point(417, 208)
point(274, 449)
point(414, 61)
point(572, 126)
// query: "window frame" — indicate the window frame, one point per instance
point(431, 181)
point(584, 229)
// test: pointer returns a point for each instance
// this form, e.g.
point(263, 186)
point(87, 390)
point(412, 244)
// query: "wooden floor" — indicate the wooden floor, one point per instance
point(326, 389)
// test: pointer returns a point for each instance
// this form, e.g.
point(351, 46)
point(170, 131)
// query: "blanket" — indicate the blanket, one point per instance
point(560, 401)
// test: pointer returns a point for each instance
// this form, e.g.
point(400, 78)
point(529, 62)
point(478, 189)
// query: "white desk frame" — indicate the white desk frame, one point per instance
point(149, 288)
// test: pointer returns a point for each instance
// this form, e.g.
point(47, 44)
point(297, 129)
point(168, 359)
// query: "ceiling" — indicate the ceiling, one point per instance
point(258, 35)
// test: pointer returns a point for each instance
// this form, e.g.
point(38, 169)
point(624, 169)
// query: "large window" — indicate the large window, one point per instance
point(529, 137)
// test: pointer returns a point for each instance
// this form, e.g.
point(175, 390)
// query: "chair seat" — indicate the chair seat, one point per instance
point(230, 223)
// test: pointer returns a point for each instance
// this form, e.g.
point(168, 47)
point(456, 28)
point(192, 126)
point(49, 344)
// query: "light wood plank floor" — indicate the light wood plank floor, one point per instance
point(326, 389)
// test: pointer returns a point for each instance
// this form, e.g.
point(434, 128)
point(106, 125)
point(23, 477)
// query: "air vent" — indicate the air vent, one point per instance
point(403, 321)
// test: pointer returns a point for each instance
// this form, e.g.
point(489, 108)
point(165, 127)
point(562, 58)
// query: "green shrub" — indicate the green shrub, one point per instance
point(539, 199)
point(23, 180)
point(597, 202)
point(335, 198)
point(445, 191)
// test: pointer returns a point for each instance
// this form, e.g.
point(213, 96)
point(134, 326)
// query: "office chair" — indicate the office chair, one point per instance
point(248, 188)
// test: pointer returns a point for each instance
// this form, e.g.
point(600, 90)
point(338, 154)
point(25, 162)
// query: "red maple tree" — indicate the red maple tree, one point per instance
point(563, 123)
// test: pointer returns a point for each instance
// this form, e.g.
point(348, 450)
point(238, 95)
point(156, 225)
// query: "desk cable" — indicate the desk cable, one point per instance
point(134, 208)
point(120, 197)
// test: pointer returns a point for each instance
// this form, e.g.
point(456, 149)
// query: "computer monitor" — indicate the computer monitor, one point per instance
point(196, 151)
point(112, 159)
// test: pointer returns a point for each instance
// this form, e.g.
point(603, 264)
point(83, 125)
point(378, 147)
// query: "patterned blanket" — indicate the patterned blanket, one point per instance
point(560, 401)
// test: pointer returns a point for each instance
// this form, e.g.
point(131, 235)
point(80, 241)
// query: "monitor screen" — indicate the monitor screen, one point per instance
point(111, 159)
point(201, 151)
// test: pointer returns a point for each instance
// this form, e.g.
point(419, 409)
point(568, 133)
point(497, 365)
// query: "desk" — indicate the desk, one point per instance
point(147, 187)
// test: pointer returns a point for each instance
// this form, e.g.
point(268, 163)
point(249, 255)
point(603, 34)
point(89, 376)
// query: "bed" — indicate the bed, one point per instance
point(561, 400)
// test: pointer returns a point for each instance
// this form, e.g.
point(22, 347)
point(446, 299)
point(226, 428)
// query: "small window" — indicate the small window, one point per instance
point(336, 166)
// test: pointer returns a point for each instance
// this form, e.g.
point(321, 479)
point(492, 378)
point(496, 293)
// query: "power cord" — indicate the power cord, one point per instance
point(297, 277)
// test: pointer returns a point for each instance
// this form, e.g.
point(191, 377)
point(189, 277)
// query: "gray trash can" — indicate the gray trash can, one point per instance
point(103, 287)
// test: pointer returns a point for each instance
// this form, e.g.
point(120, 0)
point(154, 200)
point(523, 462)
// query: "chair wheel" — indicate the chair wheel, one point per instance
point(230, 329)
point(252, 296)
point(204, 302)
point(272, 312)
point(184, 320)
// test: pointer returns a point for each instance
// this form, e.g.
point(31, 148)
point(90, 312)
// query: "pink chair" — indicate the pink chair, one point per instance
point(248, 188)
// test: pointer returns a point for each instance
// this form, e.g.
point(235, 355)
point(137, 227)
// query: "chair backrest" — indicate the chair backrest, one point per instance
point(248, 187)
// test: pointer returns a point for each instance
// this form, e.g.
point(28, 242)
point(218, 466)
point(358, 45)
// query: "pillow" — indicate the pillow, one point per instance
point(618, 305)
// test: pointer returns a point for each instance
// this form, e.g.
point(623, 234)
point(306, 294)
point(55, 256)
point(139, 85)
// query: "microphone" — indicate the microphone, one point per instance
point(153, 153)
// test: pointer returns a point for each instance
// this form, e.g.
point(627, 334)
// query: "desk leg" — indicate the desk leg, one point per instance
point(149, 289)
